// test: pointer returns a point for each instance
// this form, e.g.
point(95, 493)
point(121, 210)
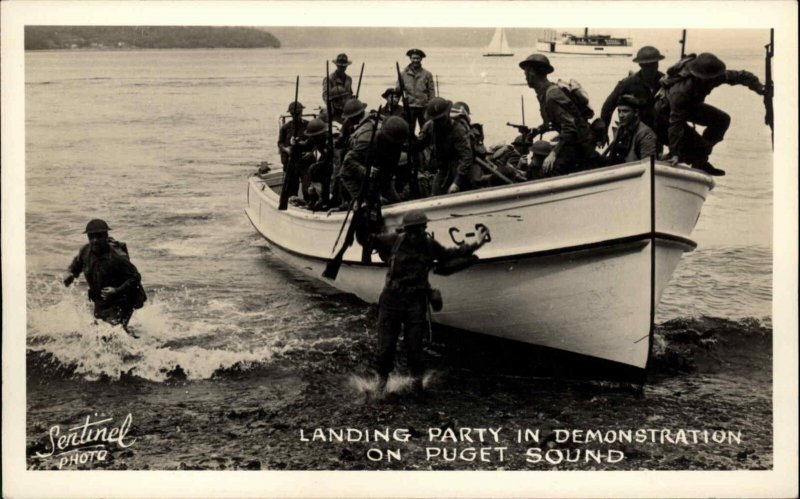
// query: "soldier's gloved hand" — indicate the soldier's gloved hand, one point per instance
point(108, 292)
point(68, 279)
point(453, 188)
point(672, 160)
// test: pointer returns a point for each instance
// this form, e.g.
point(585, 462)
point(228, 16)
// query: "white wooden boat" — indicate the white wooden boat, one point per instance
point(576, 263)
point(587, 44)
point(498, 47)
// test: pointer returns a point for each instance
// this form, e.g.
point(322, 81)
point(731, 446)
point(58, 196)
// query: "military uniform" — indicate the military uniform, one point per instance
point(110, 269)
point(634, 85)
point(683, 101)
point(632, 142)
point(284, 138)
point(419, 89)
point(341, 92)
point(452, 154)
point(575, 148)
point(404, 300)
point(384, 156)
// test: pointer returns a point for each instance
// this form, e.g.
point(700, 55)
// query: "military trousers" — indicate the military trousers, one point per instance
point(417, 118)
point(696, 148)
point(408, 315)
point(114, 313)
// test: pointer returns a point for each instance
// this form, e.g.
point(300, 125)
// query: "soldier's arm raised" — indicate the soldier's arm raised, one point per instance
point(745, 78)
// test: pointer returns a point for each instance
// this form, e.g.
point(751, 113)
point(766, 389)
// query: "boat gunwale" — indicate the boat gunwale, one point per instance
point(589, 178)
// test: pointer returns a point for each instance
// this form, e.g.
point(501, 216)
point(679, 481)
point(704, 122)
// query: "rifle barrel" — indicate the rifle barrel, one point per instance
point(360, 74)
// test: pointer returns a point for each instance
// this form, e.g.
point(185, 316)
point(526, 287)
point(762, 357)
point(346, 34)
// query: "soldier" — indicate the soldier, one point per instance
point(633, 139)
point(404, 300)
point(392, 106)
point(575, 149)
point(341, 87)
point(539, 152)
point(287, 131)
point(115, 286)
point(452, 154)
point(682, 100)
point(643, 85)
point(419, 87)
point(313, 163)
point(384, 156)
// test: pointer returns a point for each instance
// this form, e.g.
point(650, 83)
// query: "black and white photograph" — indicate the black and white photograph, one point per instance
point(309, 240)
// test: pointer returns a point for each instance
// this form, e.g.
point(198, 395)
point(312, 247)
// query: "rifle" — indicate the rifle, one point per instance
point(437, 85)
point(289, 179)
point(358, 88)
point(326, 184)
point(532, 132)
point(413, 160)
point(683, 44)
point(491, 168)
point(769, 85)
point(522, 105)
point(333, 266)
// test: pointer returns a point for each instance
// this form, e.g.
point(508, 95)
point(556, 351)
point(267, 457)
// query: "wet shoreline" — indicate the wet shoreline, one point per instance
point(708, 374)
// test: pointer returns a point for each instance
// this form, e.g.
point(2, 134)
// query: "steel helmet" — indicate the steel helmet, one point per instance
point(95, 226)
point(316, 127)
point(437, 108)
point(353, 107)
point(291, 108)
point(706, 66)
point(647, 54)
point(541, 148)
point(395, 129)
point(413, 218)
point(537, 61)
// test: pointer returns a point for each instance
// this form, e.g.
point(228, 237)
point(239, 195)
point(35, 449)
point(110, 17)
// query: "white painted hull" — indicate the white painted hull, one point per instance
point(558, 47)
point(568, 266)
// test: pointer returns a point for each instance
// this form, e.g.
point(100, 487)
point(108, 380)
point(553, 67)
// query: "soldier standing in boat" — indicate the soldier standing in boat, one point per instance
point(287, 131)
point(384, 155)
point(633, 139)
point(575, 150)
point(682, 100)
point(452, 154)
point(404, 301)
point(392, 107)
point(115, 286)
point(419, 87)
point(341, 87)
point(643, 85)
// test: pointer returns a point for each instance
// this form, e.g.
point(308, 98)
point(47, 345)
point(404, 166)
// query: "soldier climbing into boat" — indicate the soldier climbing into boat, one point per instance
point(681, 100)
point(287, 131)
point(419, 87)
point(633, 139)
point(451, 156)
point(392, 107)
point(403, 304)
point(115, 286)
point(643, 85)
point(575, 149)
point(341, 86)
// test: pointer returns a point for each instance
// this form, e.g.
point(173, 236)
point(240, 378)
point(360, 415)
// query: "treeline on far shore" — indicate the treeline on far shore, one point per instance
point(151, 37)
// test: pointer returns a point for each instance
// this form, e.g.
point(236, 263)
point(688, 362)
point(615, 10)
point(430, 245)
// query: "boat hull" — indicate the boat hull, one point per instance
point(564, 48)
point(574, 263)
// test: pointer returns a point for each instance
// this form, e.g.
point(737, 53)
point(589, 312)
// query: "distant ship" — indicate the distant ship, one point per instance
point(586, 44)
point(498, 47)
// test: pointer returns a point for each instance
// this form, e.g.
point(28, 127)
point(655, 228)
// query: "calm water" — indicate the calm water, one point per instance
point(160, 144)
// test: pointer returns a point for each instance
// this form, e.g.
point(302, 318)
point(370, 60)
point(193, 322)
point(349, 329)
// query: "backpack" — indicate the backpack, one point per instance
point(578, 95)
point(121, 249)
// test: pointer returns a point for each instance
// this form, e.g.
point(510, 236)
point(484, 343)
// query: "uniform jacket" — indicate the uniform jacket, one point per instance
point(341, 90)
point(110, 269)
point(633, 142)
point(558, 109)
point(355, 165)
point(681, 94)
point(636, 86)
point(452, 150)
point(286, 133)
point(410, 259)
point(419, 86)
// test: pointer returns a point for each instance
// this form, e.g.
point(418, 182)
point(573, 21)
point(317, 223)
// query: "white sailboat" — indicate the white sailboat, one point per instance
point(498, 47)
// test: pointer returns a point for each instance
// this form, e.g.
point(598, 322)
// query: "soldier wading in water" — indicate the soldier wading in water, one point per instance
point(404, 301)
point(115, 285)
